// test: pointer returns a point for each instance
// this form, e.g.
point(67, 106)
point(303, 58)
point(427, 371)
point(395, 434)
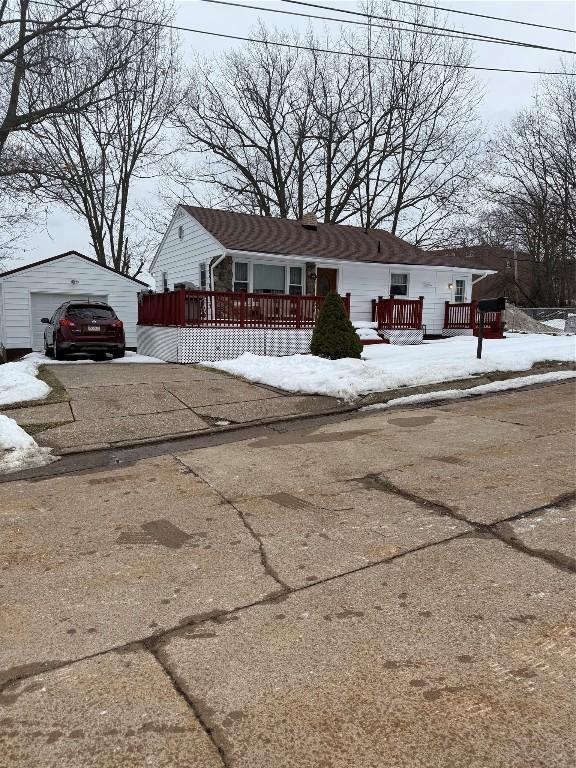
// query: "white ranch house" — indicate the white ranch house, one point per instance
point(224, 252)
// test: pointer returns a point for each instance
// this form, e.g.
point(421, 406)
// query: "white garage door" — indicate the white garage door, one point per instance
point(44, 304)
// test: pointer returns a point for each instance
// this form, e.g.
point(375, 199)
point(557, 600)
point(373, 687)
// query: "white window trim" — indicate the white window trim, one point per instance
point(466, 288)
point(407, 294)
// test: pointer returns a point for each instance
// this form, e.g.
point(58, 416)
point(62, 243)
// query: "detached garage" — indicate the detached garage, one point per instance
point(34, 291)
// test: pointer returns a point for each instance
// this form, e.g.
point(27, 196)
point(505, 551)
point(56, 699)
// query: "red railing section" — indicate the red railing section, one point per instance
point(466, 315)
point(462, 315)
point(217, 309)
point(397, 314)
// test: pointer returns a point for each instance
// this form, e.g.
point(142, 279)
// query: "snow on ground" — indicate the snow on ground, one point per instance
point(482, 389)
point(18, 450)
point(18, 381)
point(389, 366)
point(558, 324)
point(129, 357)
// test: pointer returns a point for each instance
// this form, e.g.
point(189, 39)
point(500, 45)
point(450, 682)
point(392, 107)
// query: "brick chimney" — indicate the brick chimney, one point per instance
point(309, 220)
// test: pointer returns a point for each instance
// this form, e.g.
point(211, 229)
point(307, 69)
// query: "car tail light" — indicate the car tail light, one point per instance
point(117, 324)
point(65, 322)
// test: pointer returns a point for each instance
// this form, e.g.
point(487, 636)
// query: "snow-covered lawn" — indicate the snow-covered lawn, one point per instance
point(482, 389)
point(388, 366)
point(18, 450)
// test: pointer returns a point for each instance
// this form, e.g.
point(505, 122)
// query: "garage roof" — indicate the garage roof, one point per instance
point(71, 253)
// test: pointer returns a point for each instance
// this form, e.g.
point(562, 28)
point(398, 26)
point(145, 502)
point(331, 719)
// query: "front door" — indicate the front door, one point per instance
point(326, 281)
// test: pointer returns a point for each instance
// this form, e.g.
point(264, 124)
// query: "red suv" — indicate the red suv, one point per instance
point(84, 326)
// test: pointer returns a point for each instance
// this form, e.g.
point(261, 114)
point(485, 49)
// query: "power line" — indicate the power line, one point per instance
point(297, 46)
point(469, 35)
point(485, 16)
point(454, 34)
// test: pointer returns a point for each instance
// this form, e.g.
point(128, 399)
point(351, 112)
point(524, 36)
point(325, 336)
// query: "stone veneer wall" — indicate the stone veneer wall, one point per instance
point(310, 286)
point(223, 275)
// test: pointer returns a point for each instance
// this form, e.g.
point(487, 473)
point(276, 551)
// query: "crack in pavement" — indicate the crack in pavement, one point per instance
point(267, 566)
point(481, 530)
point(27, 671)
point(501, 530)
point(196, 707)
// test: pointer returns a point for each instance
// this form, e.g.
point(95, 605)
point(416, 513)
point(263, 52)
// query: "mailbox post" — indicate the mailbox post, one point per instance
point(487, 305)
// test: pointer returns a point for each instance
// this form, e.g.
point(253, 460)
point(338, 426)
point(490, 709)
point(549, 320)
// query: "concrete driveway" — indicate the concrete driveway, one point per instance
point(384, 589)
point(112, 405)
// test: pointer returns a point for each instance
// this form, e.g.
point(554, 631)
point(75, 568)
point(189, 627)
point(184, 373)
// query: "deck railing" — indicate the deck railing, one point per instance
point(397, 314)
point(216, 309)
point(466, 315)
point(462, 315)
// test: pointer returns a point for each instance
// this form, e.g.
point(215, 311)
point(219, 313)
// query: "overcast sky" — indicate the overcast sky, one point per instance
point(59, 231)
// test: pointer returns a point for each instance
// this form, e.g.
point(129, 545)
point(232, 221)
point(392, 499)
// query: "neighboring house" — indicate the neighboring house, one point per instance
point(513, 273)
point(34, 291)
point(226, 251)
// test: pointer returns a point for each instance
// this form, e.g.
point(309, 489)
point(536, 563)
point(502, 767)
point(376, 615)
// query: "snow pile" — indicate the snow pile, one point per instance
point(518, 321)
point(482, 389)
point(389, 366)
point(18, 450)
point(367, 333)
point(18, 381)
point(558, 324)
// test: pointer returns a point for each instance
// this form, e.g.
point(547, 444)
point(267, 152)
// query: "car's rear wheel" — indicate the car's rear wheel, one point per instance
point(59, 354)
point(99, 355)
point(119, 353)
point(48, 351)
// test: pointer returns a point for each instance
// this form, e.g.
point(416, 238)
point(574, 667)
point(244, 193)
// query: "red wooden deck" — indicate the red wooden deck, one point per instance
point(214, 309)
point(466, 315)
point(397, 314)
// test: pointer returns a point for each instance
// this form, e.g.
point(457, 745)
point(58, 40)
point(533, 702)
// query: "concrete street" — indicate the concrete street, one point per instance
point(387, 589)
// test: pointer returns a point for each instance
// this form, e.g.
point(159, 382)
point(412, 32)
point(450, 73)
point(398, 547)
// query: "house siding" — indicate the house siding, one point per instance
point(179, 257)
point(54, 277)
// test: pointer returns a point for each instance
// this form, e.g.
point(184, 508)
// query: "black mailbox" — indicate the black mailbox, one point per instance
point(492, 305)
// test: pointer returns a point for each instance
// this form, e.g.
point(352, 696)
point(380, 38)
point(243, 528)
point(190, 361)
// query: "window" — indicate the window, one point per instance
point(295, 281)
point(241, 277)
point(164, 281)
point(460, 292)
point(180, 232)
point(90, 312)
point(203, 276)
point(398, 284)
point(268, 278)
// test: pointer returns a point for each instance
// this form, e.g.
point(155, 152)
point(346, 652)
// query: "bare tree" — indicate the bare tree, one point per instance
point(533, 186)
point(90, 161)
point(377, 137)
point(41, 45)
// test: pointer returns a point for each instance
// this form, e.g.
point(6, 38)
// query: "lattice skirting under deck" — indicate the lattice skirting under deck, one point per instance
point(407, 336)
point(193, 345)
point(448, 332)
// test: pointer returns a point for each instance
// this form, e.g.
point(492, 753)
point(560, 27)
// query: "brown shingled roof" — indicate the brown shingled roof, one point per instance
point(263, 234)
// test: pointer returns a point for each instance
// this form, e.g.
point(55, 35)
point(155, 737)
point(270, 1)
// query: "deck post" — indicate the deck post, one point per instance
point(421, 300)
point(473, 314)
point(446, 313)
point(182, 306)
point(242, 310)
point(298, 311)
